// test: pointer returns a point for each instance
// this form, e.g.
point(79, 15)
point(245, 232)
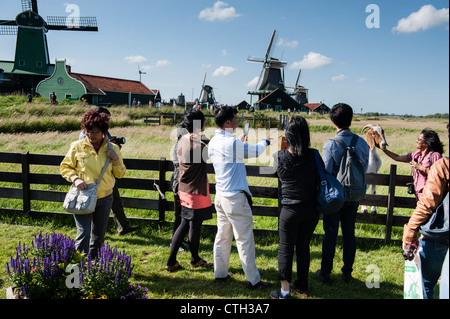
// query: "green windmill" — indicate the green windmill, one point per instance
point(32, 57)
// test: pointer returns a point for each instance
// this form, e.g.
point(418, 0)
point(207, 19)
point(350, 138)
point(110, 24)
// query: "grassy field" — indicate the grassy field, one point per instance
point(149, 247)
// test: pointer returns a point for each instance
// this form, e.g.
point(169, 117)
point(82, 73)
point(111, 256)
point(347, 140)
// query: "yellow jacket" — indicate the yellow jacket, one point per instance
point(82, 161)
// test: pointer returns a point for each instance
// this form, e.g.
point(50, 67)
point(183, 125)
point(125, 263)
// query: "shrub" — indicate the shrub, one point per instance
point(40, 271)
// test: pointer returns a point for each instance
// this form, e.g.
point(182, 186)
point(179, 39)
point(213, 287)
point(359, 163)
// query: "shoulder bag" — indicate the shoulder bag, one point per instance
point(84, 202)
point(330, 194)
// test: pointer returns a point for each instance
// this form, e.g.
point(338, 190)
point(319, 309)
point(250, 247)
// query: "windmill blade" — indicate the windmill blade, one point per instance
point(204, 80)
point(259, 79)
point(269, 49)
point(34, 6)
point(255, 59)
point(203, 88)
point(8, 22)
point(27, 5)
point(8, 29)
point(72, 23)
point(298, 78)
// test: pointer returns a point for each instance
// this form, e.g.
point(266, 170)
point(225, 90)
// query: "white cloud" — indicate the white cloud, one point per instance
point(206, 66)
point(339, 77)
point(224, 71)
point(361, 80)
point(219, 12)
point(162, 63)
point(135, 59)
point(426, 18)
point(224, 52)
point(253, 82)
point(312, 60)
point(159, 64)
point(290, 44)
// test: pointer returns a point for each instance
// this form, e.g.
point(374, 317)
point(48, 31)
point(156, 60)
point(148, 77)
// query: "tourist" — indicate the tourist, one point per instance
point(193, 190)
point(429, 151)
point(297, 171)
point(233, 197)
point(434, 239)
point(433, 248)
point(121, 220)
point(341, 117)
point(81, 166)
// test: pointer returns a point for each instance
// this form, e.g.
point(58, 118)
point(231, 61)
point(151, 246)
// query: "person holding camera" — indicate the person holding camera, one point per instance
point(233, 197)
point(83, 165)
point(297, 172)
point(121, 220)
point(193, 190)
point(429, 151)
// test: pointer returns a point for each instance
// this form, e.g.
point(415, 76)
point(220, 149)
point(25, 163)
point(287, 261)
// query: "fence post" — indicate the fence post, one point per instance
point(25, 182)
point(162, 187)
point(390, 206)
point(174, 117)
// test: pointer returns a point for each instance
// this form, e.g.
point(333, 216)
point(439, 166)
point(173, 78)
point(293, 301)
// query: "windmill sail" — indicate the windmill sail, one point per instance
point(72, 23)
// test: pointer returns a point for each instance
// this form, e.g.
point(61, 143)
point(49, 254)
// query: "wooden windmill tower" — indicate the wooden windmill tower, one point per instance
point(32, 57)
point(206, 95)
point(273, 70)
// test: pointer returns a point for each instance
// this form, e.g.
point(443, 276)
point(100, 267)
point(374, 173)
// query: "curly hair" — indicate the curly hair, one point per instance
point(94, 119)
point(431, 138)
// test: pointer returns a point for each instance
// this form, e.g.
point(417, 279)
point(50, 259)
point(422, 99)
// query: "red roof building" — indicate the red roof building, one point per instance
point(109, 91)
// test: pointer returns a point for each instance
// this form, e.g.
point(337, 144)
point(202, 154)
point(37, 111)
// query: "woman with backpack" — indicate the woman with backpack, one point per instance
point(429, 151)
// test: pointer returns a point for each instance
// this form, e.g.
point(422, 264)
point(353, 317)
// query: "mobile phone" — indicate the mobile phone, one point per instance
point(246, 129)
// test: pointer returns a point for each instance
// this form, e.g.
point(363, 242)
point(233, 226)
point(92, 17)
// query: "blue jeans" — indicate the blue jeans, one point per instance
point(347, 217)
point(444, 279)
point(91, 228)
point(431, 257)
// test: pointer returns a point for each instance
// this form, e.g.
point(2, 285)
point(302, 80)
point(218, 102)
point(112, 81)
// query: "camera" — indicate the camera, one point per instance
point(118, 140)
point(411, 190)
point(409, 252)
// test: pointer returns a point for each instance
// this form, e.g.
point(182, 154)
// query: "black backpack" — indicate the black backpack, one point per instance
point(351, 171)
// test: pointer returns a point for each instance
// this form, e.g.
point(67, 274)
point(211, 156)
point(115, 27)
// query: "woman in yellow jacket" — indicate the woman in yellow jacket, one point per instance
point(83, 165)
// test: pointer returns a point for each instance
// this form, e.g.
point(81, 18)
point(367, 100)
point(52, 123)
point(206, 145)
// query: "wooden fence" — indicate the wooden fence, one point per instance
point(175, 117)
point(161, 184)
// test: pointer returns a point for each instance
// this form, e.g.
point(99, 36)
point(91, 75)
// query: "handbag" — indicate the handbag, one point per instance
point(330, 194)
point(83, 202)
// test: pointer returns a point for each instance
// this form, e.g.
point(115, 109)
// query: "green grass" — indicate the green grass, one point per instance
point(149, 248)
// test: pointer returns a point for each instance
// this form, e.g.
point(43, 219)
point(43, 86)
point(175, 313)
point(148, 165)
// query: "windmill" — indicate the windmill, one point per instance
point(206, 94)
point(140, 73)
point(273, 70)
point(32, 56)
point(300, 92)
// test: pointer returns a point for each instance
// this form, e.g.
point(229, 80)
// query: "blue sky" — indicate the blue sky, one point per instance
point(400, 66)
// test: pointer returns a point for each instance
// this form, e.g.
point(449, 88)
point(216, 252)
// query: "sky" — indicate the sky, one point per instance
point(386, 56)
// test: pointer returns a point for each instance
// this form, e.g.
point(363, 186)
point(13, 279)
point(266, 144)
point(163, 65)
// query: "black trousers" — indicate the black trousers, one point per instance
point(296, 227)
point(194, 228)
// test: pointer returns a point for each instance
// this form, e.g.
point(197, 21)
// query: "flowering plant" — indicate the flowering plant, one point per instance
point(41, 271)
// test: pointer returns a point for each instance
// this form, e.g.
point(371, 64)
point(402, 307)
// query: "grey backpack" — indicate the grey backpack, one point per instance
point(351, 171)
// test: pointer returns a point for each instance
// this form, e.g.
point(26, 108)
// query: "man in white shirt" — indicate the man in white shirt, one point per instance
point(233, 197)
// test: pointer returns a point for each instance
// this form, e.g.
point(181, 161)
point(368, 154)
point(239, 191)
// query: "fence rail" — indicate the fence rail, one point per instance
point(162, 186)
point(158, 119)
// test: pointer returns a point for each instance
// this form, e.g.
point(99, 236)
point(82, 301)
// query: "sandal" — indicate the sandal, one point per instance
point(174, 268)
point(202, 263)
